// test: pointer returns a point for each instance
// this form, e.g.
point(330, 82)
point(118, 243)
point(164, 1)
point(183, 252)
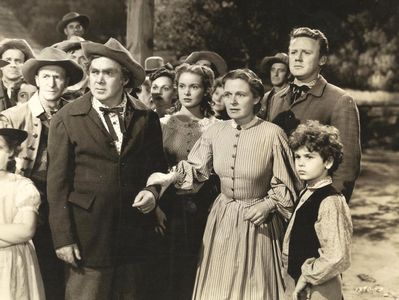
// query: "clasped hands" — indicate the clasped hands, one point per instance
point(257, 213)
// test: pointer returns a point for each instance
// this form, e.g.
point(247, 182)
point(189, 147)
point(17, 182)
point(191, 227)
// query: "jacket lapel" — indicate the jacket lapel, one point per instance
point(83, 106)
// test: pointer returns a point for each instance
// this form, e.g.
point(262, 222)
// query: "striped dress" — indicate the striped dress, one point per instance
point(238, 259)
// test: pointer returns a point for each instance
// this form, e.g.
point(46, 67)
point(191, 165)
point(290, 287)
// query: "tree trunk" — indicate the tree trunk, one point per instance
point(140, 28)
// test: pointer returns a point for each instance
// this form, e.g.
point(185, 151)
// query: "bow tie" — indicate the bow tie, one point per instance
point(108, 110)
point(298, 91)
point(118, 111)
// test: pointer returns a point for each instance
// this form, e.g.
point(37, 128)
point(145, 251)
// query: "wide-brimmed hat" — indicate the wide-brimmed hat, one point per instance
point(213, 57)
point(3, 63)
point(152, 63)
point(52, 56)
point(268, 61)
point(73, 43)
point(73, 16)
point(19, 44)
point(114, 50)
point(16, 135)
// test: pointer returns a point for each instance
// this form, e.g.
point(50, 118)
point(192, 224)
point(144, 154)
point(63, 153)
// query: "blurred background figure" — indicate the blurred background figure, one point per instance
point(143, 92)
point(73, 48)
point(218, 106)
point(210, 59)
point(73, 24)
point(15, 52)
point(277, 67)
point(163, 94)
point(26, 91)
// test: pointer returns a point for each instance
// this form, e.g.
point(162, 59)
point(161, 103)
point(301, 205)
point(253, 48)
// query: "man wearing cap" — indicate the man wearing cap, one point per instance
point(102, 147)
point(73, 24)
point(277, 67)
point(15, 52)
point(51, 71)
point(311, 97)
point(210, 59)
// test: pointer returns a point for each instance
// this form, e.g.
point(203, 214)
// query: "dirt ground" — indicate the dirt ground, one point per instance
point(374, 273)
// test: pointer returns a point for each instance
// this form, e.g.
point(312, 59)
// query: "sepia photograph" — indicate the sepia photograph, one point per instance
point(199, 149)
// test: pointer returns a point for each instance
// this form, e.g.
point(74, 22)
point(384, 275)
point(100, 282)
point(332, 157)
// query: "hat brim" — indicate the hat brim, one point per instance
point(73, 71)
point(214, 58)
point(16, 134)
point(267, 62)
point(91, 49)
point(84, 20)
point(20, 45)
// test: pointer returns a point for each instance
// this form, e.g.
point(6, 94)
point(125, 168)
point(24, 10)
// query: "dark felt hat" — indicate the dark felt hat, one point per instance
point(153, 63)
point(52, 56)
point(73, 43)
point(73, 16)
point(15, 134)
point(268, 61)
point(213, 57)
point(19, 44)
point(113, 49)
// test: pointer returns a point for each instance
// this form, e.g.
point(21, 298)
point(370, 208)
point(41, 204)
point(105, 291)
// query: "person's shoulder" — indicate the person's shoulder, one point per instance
point(271, 128)
point(337, 92)
point(335, 202)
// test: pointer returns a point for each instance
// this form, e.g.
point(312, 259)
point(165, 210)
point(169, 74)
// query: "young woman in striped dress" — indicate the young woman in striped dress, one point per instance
point(241, 247)
point(182, 215)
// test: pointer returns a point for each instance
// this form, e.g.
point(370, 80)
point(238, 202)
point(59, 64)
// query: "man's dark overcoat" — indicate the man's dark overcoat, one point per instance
point(91, 187)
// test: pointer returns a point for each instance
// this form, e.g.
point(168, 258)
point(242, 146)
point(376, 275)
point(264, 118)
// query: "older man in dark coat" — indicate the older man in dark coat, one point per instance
point(102, 147)
point(311, 97)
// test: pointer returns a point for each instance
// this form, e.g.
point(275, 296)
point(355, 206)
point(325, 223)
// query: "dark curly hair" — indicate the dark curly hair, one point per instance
point(207, 76)
point(323, 139)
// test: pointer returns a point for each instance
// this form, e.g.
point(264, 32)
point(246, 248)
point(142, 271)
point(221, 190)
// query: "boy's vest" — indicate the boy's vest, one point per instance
point(304, 243)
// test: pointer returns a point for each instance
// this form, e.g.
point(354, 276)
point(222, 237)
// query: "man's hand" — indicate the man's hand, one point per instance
point(258, 213)
point(144, 201)
point(300, 286)
point(70, 254)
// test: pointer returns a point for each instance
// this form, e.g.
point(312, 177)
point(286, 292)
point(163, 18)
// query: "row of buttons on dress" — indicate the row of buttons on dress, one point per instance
point(234, 155)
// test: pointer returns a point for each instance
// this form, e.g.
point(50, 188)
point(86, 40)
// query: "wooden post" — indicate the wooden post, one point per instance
point(140, 29)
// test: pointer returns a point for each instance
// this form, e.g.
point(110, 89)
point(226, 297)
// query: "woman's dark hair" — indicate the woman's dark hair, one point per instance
point(323, 139)
point(165, 71)
point(254, 82)
point(207, 77)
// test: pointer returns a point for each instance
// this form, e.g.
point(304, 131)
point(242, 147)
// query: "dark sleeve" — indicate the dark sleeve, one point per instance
point(345, 117)
point(59, 174)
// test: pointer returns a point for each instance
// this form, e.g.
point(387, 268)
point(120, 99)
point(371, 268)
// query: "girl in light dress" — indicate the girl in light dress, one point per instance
point(19, 202)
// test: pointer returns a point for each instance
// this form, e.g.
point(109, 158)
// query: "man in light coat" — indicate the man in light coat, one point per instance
point(51, 71)
point(311, 97)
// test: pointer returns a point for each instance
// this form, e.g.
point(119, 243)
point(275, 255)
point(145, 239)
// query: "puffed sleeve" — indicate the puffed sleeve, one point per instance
point(284, 183)
point(199, 164)
point(334, 231)
point(28, 197)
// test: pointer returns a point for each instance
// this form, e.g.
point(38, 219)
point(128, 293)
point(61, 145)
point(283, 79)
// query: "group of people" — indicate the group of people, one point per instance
point(126, 182)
